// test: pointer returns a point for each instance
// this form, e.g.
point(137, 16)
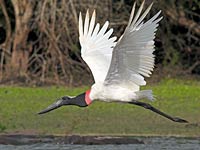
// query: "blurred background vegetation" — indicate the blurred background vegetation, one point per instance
point(39, 41)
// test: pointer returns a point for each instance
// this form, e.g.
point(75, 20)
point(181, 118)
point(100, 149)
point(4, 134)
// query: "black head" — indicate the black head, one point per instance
point(66, 100)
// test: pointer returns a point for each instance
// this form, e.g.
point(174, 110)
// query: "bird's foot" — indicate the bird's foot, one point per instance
point(176, 119)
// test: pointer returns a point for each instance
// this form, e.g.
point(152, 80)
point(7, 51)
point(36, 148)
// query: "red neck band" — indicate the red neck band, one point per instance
point(87, 97)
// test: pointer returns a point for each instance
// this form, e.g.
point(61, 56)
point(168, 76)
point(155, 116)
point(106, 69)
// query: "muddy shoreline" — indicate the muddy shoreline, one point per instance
point(72, 139)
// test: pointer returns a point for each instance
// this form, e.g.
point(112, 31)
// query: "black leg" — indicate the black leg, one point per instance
point(148, 106)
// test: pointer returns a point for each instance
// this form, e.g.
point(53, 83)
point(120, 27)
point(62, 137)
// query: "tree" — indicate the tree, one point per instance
point(19, 59)
point(41, 41)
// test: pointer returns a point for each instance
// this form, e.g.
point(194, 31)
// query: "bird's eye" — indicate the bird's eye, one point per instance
point(65, 98)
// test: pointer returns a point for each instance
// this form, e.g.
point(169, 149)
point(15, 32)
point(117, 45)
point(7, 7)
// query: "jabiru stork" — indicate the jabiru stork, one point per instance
point(118, 67)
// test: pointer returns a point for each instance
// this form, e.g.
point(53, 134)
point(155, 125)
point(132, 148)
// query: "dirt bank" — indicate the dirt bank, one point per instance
point(72, 139)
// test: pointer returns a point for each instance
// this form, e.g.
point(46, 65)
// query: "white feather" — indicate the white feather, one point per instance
point(133, 55)
point(96, 46)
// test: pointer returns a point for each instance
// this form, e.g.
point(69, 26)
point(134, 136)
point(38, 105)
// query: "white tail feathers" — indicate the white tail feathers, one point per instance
point(145, 94)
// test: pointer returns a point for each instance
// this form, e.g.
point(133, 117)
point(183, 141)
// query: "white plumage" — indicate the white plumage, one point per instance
point(119, 67)
point(96, 46)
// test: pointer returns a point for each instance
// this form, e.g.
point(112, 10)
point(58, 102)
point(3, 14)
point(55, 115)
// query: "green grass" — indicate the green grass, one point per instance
point(19, 107)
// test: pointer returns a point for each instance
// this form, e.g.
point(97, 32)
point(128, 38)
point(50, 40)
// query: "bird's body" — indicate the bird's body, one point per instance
point(118, 93)
point(118, 67)
point(110, 93)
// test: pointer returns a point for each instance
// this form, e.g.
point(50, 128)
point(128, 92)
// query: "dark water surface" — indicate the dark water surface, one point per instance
point(150, 143)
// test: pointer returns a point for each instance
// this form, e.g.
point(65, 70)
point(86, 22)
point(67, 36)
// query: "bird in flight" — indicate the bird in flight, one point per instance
point(118, 67)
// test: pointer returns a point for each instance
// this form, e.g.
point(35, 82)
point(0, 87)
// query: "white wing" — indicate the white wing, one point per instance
point(133, 55)
point(96, 46)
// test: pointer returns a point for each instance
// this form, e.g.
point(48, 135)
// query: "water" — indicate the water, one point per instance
point(151, 143)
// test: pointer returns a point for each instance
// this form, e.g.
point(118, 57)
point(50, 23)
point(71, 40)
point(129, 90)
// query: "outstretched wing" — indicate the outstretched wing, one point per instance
point(96, 46)
point(133, 54)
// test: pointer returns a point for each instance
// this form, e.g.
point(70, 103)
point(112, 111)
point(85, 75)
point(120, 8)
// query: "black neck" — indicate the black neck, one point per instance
point(78, 100)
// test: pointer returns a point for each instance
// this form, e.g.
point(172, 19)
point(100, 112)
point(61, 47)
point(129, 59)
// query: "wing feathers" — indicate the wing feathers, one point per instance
point(86, 24)
point(132, 14)
point(96, 30)
point(92, 22)
point(80, 25)
point(96, 45)
point(108, 34)
point(138, 13)
point(103, 29)
point(133, 55)
point(142, 17)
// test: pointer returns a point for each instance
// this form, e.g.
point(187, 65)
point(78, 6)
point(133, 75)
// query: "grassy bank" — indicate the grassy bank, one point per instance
point(19, 105)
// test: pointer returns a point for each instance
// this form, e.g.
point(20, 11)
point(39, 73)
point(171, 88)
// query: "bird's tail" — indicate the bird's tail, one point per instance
point(145, 94)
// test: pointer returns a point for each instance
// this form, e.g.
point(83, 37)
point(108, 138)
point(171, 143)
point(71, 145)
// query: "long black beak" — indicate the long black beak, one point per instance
point(53, 106)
